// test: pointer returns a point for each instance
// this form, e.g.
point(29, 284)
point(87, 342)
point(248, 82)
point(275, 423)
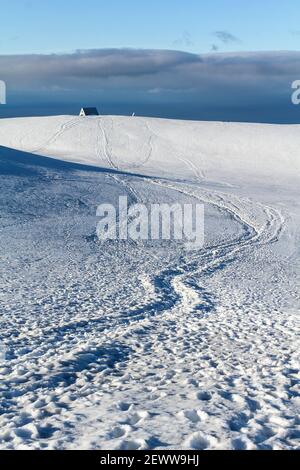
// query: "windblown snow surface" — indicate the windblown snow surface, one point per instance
point(147, 345)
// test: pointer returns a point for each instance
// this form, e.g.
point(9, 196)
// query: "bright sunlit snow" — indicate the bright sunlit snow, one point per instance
point(144, 345)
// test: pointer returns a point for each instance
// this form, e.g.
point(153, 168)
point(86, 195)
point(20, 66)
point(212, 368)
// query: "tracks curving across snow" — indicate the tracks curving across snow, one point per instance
point(203, 357)
point(134, 346)
point(70, 124)
point(102, 146)
point(171, 328)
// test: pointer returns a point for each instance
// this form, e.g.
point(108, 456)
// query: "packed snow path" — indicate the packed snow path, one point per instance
point(148, 345)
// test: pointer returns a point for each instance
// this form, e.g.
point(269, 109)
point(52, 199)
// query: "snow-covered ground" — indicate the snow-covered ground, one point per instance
point(148, 345)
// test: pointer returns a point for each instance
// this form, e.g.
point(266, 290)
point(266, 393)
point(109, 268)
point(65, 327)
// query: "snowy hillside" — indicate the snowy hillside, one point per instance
point(149, 345)
point(163, 147)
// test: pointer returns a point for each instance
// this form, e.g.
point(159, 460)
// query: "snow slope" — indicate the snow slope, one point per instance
point(163, 147)
point(147, 345)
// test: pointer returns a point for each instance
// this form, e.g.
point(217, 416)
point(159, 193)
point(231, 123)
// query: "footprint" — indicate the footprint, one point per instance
point(264, 434)
point(29, 431)
point(191, 382)
point(204, 396)
point(194, 415)
point(120, 431)
point(236, 423)
point(138, 444)
point(124, 406)
point(200, 441)
point(225, 395)
point(253, 405)
point(242, 443)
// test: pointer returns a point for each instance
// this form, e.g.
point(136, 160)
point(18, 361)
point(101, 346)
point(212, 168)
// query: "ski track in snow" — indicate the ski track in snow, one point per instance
point(63, 128)
point(188, 363)
point(105, 147)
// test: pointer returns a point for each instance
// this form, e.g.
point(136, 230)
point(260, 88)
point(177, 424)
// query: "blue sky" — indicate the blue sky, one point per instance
point(152, 57)
point(62, 26)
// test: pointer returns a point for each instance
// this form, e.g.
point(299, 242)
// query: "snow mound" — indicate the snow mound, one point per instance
point(183, 149)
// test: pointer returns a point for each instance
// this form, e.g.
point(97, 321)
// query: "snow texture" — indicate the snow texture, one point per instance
point(145, 345)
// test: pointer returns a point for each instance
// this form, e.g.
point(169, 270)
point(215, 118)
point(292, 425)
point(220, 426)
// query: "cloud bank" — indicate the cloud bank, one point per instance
point(216, 79)
point(156, 67)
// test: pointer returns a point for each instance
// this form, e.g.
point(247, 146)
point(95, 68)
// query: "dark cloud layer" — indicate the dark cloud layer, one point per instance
point(233, 79)
point(144, 64)
point(103, 63)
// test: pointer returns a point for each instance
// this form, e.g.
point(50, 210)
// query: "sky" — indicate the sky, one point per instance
point(191, 25)
point(202, 59)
